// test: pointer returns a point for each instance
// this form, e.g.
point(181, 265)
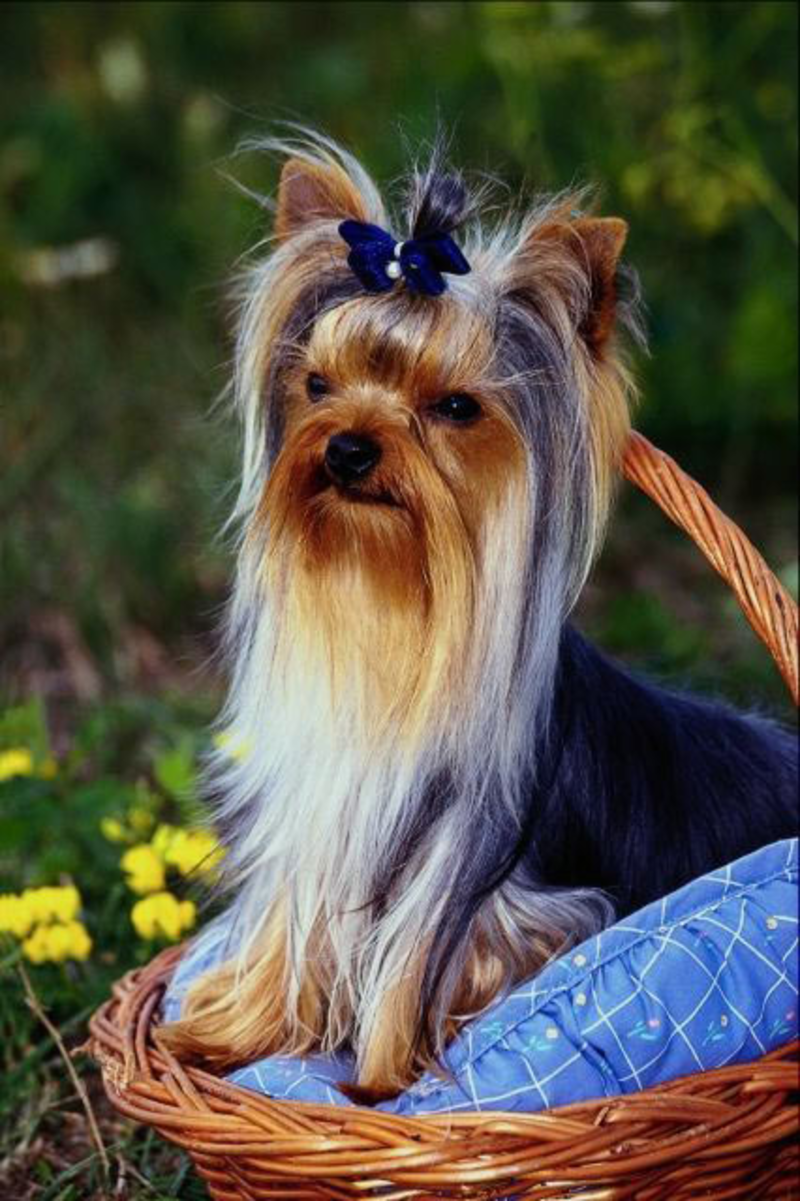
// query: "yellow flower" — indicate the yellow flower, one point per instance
point(54, 944)
point(45, 919)
point(145, 869)
point(163, 915)
point(81, 941)
point(234, 745)
point(36, 948)
point(48, 769)
point(53, 904)
point(163, 838)
point(16, 762)
point(141, 820)
point(65, 903)
point(113, 829)
point(193, 850)
point(15, 915)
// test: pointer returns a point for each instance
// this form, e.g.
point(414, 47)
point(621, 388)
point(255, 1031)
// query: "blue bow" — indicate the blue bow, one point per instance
point(379, 260)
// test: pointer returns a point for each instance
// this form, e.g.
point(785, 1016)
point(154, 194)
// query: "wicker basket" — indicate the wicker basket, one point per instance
point(728, 1133)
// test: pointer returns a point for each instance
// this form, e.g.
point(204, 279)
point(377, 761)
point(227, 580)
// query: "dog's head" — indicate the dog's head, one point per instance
point(437, 461)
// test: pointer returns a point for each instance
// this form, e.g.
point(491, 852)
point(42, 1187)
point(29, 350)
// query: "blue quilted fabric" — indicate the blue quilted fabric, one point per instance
point(707, 976)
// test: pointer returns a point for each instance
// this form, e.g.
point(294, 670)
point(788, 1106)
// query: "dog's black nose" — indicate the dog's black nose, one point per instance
point(350, 457)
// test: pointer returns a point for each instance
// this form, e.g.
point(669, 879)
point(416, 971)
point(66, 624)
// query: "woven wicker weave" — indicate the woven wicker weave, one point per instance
point(729, 1133)
point(765, 602)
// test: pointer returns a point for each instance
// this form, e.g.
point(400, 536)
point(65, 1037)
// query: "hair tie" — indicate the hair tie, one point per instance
point(379, 260)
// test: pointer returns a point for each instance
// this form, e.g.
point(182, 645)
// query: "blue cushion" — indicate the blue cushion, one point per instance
point(707, 976)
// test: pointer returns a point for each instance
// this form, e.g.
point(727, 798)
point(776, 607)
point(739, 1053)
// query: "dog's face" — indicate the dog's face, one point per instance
point(398, 443)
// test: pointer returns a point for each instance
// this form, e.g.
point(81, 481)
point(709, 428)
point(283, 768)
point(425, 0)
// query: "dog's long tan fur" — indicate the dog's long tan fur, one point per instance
point(387, 640)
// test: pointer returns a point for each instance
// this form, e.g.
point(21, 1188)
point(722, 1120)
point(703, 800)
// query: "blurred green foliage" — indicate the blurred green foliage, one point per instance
point(117, 227)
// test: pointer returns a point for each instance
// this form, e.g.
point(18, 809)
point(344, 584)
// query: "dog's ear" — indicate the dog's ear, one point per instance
point(593, 245)
point(314, 192)
point(601, 242)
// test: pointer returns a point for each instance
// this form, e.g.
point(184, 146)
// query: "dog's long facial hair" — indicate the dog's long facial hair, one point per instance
point(395, 636)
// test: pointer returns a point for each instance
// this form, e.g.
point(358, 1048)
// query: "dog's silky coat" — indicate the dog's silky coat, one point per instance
point(445, 785)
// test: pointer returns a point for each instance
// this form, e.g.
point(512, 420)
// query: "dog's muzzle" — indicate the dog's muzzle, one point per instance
point(350, 457)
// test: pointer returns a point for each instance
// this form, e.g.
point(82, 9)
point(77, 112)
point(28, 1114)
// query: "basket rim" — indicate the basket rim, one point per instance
point(770, 609)
point(718, 1117)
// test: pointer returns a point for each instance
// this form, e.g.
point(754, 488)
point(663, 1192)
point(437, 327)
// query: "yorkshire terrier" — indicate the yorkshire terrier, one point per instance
point(444, 784)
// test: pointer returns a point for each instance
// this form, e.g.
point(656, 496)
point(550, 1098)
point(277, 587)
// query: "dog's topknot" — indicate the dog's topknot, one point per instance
point(444, 204)
point(438, 199)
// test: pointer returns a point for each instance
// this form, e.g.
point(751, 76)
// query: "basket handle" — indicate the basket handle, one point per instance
point(765, 602)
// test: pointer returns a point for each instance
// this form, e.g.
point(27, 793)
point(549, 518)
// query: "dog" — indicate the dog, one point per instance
point(445, 785)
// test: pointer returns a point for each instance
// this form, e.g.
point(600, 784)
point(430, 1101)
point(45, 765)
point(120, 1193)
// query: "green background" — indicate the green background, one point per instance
point(118, 122)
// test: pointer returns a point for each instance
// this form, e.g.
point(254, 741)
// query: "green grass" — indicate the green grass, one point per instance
point(137, 756)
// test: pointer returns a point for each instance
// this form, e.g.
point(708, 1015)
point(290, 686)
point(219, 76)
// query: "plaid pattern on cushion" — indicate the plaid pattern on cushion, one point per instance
point(705, 977)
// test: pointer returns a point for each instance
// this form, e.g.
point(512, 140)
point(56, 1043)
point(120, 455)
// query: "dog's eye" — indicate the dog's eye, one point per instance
point(458, 407)
point(317, 386)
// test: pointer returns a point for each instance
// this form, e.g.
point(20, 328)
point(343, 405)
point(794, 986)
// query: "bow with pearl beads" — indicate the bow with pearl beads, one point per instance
point(378, 260)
